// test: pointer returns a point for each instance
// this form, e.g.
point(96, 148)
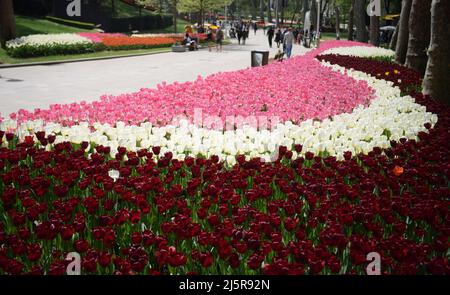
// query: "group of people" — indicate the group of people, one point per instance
point(215, 35)
point(287, 37)
point(240, 30)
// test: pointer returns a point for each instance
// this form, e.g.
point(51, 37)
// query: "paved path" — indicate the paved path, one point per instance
point(39, 86)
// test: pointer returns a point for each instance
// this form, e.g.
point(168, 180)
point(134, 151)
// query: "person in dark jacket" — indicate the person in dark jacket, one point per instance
point(239, 33)
point(279, 38)
point(270, 34)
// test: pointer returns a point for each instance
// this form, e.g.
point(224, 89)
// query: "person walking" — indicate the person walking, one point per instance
point(288, 42)
point(239, 34)
point(245, 33)
point(278, 38)
point(219, 39)
point(209, 38)
point(270, 34)
point(255, 27)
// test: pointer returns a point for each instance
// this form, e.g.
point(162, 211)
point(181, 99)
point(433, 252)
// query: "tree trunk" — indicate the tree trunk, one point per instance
point(296, 9)
point(313, 14)
point(261, 10)
point(202, 17)
point(253, 9)
point(436, 82)
point(7, 21)
point(175, 16)
point(360, 21)
point(304, 10)
point(351, 17)
point(375, 30)
point(394, 38)
point(338, 22)
point(419, 35)
point(269, 12)
point(403, 32)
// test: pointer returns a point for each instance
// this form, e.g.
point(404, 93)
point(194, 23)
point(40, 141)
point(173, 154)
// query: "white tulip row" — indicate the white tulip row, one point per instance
point(47, 39)
point(389, 116)
point(361, 51)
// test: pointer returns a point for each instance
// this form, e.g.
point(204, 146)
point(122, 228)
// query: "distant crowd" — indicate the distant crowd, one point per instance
point(284, 37)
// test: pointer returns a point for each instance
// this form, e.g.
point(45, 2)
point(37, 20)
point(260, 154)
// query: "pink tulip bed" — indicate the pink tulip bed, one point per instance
point(298, 90)
point(362, 167)
point(98, 37)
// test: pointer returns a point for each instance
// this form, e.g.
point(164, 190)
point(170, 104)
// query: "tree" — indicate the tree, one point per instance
point(436, 82)
point(351, 18)
point(419, 35)
point(261, 10)
point(173, 7)
point(375, 30)
point(313, 13)
point(201, 6)
point(269, 11)
point(7, 21)
point(305, 9)
point(337, 12)
point(394, 38)
point(360, 20)
point(403, 32)
point(143, 4)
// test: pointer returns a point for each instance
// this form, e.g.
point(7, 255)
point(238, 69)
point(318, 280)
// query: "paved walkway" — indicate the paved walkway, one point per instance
point(39, 86)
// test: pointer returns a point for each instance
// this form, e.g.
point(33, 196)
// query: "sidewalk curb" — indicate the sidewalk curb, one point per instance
point(47, 63)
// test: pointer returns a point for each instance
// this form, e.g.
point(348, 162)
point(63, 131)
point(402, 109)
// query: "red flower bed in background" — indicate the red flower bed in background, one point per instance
point(141, 42)
point(311, 215)
point(403, 77)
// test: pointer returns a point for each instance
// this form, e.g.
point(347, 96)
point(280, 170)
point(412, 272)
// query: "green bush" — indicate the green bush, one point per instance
point(53, 49)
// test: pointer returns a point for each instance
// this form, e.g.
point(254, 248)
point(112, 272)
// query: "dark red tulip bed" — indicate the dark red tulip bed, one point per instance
point(308, 214)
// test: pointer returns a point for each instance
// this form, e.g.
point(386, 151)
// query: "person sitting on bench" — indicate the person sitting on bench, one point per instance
point(190, 42)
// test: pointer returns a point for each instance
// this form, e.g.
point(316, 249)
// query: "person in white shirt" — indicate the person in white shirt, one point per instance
point(288, 42)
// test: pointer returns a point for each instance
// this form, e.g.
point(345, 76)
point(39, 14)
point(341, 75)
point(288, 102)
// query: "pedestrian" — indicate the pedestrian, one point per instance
point(245, 33)
point(278, 37)
point(288, 42)
point(255, 27)
point(219, 39)
point(296, 32)
point(239, 34)
point(209, 38)
point(270, 34)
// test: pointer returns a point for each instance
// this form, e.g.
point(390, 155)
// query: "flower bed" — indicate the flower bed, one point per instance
point(285, 96)
point(126, 43)
point(402, 77)
point(362, 51)
point(143, 211)
point(50, 44)
point(85, 42)
point(179, 36)
point(98, 37)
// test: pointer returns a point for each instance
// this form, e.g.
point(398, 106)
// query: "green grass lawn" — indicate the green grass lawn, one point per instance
point(29, 25)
